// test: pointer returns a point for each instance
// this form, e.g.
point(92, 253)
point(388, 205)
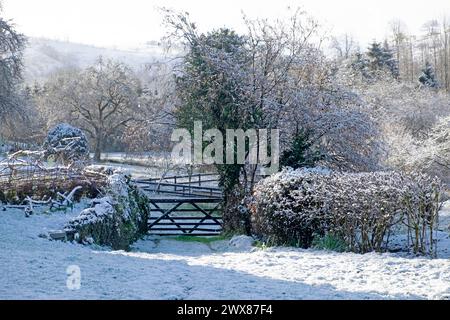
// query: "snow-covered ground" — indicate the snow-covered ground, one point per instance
point(32, 267)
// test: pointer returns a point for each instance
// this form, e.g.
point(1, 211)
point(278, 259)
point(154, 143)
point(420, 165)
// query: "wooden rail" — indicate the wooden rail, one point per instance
point(175, 185)
point(196, 178)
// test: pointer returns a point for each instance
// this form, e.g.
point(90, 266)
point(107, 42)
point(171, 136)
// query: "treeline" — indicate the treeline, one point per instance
point(416, 55)
point(358, 111)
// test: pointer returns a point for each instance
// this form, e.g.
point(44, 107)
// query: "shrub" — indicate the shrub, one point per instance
point(66, 144)
point(423, 202)
point(294, 206)
point(117, 220)
point(287, 209)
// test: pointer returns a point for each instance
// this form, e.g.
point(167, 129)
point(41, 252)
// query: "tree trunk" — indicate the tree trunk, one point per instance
point(97, 154)
point(98, 148)
point(446, 71)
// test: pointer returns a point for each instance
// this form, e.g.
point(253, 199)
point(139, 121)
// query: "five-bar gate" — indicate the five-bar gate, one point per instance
point(185, 216)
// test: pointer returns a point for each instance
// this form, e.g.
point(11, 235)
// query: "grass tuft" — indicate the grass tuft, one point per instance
point(329, 242)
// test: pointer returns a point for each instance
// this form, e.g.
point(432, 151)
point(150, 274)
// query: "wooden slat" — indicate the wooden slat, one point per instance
point(162, 211)
point(187, 176)
point(186, 229)
point(184, 194)
point(185, 200)
point(202, 181)
point(165, 184)
point(185, 218)
point(188, 224)
point(190, 210)
point(206, 234)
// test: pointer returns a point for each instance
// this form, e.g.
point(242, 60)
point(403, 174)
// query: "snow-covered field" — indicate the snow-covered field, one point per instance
point(35, 268)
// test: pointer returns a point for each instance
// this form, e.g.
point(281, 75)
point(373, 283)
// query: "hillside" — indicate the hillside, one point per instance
point(44, 56)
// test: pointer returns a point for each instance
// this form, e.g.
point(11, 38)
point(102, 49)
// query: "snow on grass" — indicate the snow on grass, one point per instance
point(161, 268)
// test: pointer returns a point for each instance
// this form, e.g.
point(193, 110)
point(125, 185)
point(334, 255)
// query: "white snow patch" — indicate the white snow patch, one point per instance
point(242, 242)
point(35, 268)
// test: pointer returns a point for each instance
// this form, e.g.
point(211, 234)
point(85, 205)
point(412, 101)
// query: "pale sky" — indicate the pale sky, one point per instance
point(126, 23)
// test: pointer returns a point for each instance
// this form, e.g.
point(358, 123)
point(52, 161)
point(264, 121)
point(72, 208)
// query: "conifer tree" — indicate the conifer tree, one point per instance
point(381, 58)
point(428, 76)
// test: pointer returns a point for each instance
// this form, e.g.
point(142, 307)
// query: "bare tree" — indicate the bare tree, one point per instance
point(398, 30)
point(431, 38)
point(344, 46)
point(102, 100)
point(158, 97)
point(446, 52)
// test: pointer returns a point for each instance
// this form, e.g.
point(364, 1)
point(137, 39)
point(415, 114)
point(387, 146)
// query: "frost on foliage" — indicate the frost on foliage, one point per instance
point(117, 219)
point(101, 208)
point(432, 154)
point(118, 184)
point(66, 143)
point(294, 206)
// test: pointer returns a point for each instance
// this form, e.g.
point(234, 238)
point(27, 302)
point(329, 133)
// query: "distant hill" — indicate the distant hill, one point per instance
point(43, 56)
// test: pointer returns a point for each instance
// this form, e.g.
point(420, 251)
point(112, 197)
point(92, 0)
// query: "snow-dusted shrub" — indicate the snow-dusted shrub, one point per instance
point(363, 207)
point(288, 207)
point(66, 144)
point(423, 202)
point(117, 219)
point(296, 206)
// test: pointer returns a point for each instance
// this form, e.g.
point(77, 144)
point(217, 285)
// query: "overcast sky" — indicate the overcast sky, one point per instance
point(125, 23)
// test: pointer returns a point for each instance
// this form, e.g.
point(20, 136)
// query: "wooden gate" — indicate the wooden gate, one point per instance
point(185, 216)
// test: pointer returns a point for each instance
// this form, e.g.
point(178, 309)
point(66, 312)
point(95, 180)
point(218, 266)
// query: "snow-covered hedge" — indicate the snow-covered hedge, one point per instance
point(66, 144)
point(295, 206)
point(117, 219)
